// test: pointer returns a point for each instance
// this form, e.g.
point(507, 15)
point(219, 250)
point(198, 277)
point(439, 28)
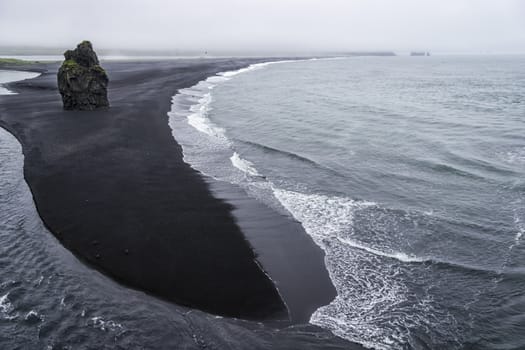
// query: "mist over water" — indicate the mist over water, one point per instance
point(269, 26)
point(408, 172)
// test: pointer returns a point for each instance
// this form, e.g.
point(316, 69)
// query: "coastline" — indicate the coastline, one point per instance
point(285, 251)
point(104, 174)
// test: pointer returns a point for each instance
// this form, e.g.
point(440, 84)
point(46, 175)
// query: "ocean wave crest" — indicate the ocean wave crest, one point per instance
point(329, 216)
point(288, 154)
point(244, 165)
point(6, 308)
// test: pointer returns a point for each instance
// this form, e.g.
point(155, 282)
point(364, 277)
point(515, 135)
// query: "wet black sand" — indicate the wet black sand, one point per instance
point(112, 186)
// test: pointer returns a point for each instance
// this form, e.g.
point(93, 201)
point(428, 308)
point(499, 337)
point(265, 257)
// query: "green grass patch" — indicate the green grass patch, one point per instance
point(14, 61)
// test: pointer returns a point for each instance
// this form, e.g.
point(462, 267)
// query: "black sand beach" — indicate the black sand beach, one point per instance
point(112, 186)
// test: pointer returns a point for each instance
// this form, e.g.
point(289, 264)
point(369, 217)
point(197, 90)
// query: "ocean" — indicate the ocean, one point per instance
point(409, 172)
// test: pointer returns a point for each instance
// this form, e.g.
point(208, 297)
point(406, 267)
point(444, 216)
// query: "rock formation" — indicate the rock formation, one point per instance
point(82, 82)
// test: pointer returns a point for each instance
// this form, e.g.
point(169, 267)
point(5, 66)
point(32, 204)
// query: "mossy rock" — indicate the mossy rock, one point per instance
point(81, 80)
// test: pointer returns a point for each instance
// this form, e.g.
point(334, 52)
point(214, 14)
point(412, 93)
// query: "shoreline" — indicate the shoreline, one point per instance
point(283, 247)
point(68, 221)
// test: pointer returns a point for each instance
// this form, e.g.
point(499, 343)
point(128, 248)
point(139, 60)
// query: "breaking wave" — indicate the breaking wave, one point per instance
point(244, 165)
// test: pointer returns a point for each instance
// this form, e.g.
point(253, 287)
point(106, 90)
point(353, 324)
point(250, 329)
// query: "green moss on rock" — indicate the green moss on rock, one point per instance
point(70, 64)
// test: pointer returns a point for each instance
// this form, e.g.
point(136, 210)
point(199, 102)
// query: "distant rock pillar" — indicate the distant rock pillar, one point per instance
point(82, 82)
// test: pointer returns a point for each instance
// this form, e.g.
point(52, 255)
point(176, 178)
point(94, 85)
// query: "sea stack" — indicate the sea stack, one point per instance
point(82, 82)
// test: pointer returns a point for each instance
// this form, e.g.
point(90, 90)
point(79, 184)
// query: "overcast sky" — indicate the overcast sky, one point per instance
point(281, 25)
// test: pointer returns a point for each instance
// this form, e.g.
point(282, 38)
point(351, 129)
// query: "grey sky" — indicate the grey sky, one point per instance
point(282, 25)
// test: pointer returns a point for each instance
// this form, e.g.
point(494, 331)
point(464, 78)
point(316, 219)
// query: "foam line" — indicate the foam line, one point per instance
point(244, 165)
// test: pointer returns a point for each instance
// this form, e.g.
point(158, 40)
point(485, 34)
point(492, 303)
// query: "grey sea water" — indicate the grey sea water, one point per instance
point(408, 171)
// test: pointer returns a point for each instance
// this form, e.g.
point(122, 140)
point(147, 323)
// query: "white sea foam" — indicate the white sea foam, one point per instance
point(109, 325)
point(373, 306)
point(403, 257)
point(5, 305)
point(33, 317)
point(39, 281)
point(520, 228)
point(325, 216)
point(244, 165)
point(518, 236)
point(253, 67)
point(199, 120)
point(6, 308)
